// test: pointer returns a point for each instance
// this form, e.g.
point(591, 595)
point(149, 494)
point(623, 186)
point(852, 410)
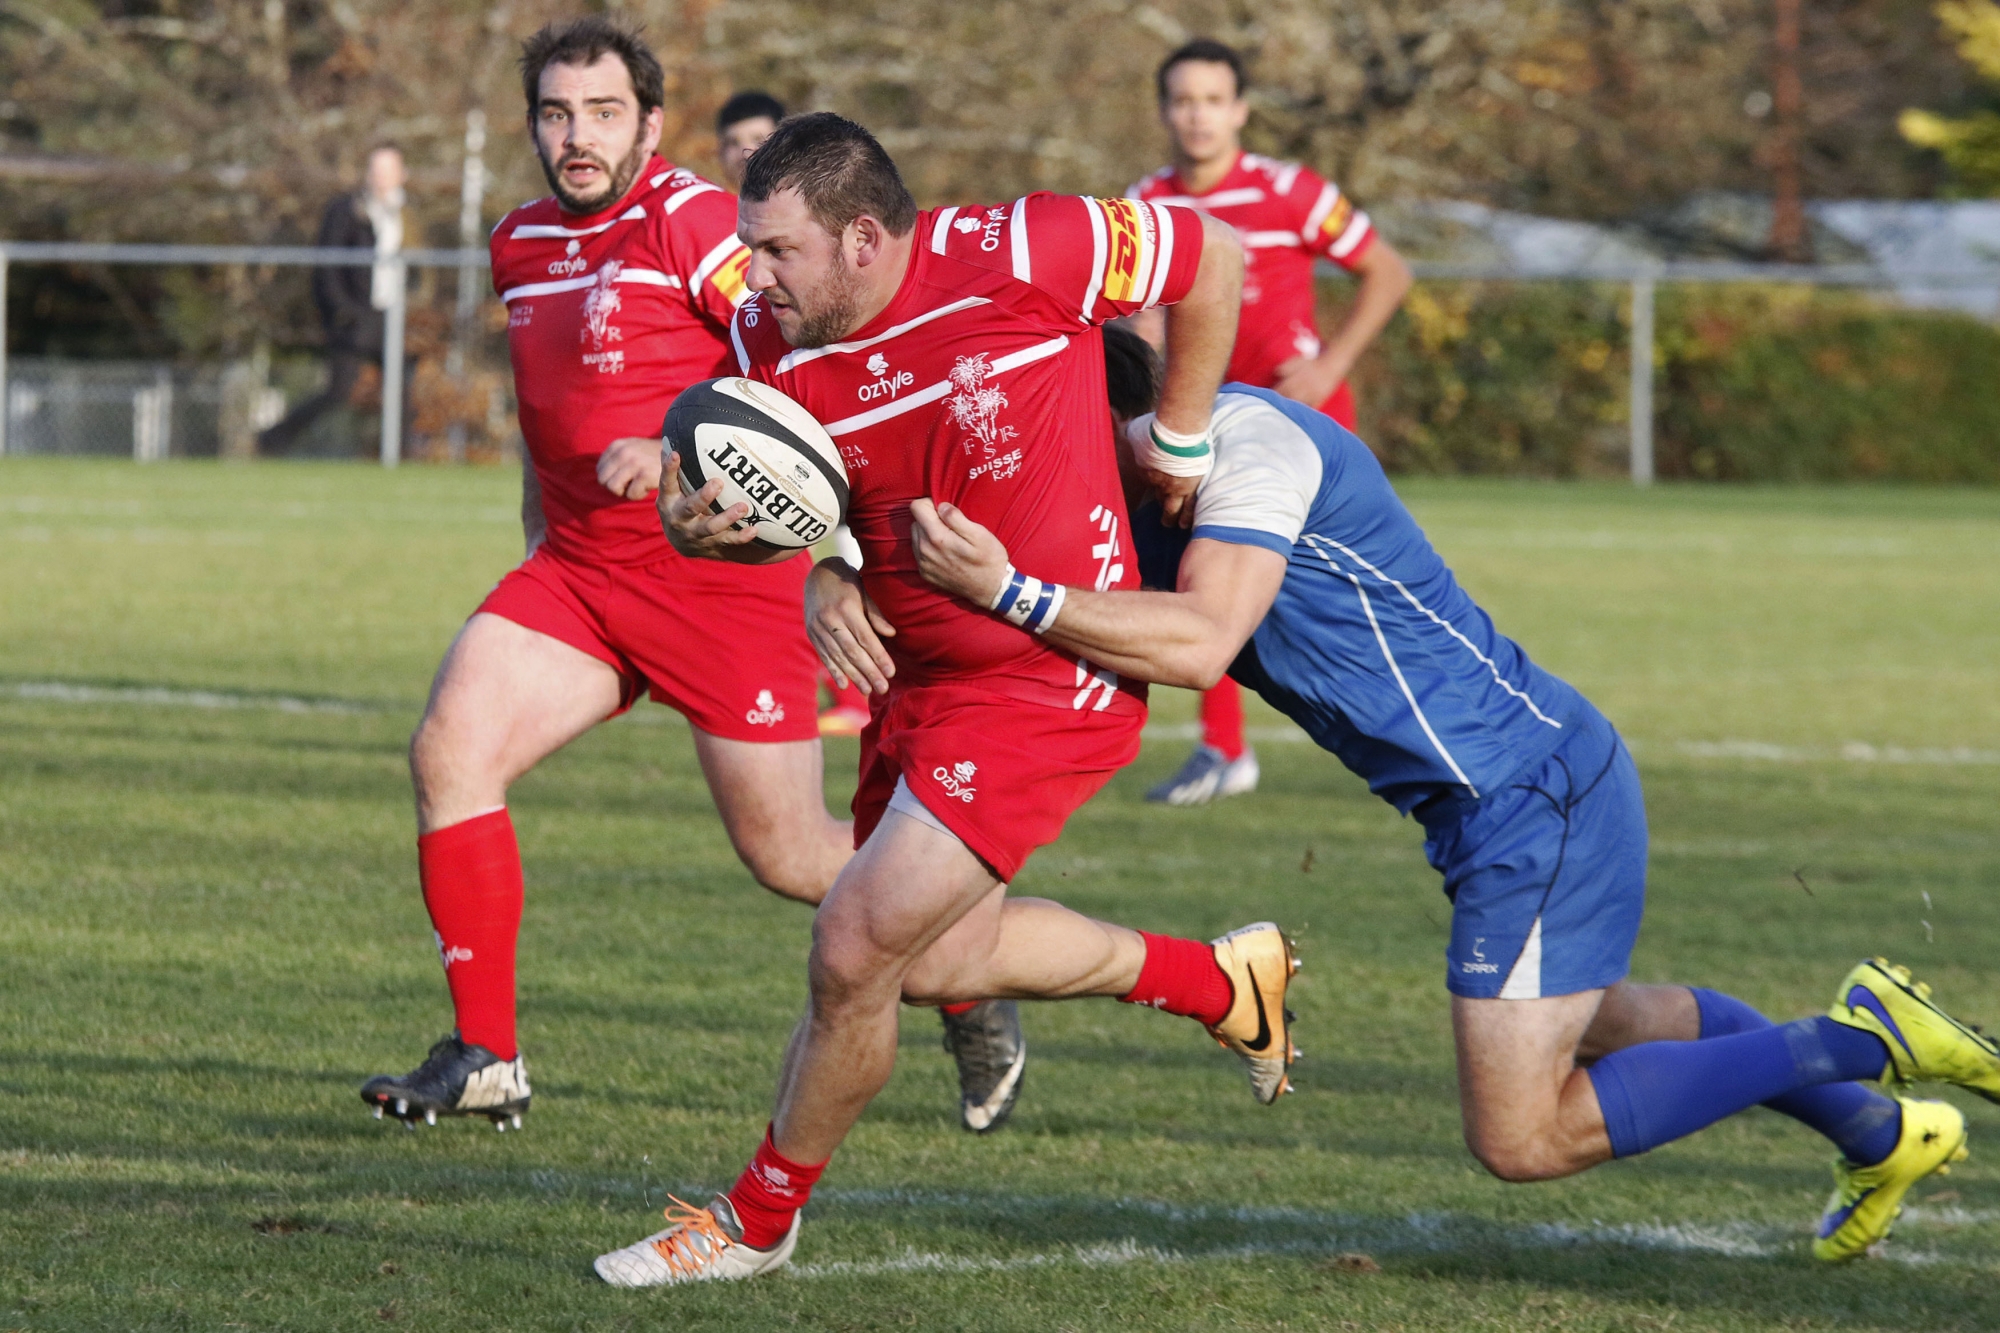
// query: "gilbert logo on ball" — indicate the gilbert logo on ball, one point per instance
point(770, 455)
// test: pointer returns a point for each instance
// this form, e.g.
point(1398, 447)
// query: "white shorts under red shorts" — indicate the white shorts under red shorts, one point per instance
point(725, 645)
point(1000, 774)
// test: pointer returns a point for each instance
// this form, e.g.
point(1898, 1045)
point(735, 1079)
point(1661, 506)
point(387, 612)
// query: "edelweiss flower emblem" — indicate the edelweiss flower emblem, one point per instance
point(976, 407)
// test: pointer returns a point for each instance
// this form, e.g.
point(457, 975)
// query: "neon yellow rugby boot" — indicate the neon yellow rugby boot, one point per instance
point(1867, 1200)
point(1926, 1045)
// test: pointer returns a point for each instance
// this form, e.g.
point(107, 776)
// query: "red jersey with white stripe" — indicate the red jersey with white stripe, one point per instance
point(1287, 217)
point(608, 317)
point(982, 384)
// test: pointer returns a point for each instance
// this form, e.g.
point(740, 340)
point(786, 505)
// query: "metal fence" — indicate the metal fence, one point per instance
point(151, 405)
point(152, 401)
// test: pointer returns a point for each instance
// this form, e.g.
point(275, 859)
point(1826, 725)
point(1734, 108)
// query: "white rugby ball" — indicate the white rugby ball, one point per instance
point(770, 455)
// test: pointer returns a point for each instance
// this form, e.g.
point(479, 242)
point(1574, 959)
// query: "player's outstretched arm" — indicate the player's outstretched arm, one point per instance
point(1187, 637)
point(846, 629)
point(1200, 330)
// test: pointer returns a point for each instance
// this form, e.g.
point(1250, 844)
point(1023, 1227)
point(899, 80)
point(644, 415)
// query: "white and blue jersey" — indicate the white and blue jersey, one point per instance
point(1371, 646)
point(1376, 652)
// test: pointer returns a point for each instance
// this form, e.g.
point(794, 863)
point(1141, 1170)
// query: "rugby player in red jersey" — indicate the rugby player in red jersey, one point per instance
point(619, 290)
point(1288, 217)
point(955, 353)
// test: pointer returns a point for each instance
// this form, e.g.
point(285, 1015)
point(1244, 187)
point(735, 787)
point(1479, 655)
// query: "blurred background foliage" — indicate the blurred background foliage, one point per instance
point(1754, 383)
point(236, 120)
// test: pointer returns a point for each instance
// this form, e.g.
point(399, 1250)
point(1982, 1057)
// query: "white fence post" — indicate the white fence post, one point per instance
point(153, 419)
point(392, 365)
point(6, 399)
point(1642, 381)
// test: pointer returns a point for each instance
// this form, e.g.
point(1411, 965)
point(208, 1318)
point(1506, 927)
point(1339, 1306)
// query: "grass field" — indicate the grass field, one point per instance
point(212, 934)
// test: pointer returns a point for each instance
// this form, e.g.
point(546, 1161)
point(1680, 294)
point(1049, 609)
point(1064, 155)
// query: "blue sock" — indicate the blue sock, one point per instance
point(1864, 1125)
point(1660, 1091)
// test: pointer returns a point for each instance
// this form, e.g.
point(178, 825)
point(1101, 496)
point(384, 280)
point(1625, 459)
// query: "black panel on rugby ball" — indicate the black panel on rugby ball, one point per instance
point(704, 404)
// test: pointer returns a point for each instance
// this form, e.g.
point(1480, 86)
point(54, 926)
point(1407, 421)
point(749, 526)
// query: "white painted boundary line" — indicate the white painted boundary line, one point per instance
point(1343, 1233)
point(1855, 752)
point(62, 692)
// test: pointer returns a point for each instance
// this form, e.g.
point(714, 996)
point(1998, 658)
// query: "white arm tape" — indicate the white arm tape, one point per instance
point(1026, 601)
point(1158, 449)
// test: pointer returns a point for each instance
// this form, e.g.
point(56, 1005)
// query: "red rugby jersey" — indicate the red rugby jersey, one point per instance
point(608, 317)
point(1287, 216)
point(982, 384)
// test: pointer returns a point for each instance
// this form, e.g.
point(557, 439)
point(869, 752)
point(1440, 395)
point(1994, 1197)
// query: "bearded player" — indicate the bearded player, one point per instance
point(958, 350)
point(1306, 578)
point(619, 290)
point(1288, 218)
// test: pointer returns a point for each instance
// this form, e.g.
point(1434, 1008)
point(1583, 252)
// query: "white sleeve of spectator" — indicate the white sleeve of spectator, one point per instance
point(1267, 472)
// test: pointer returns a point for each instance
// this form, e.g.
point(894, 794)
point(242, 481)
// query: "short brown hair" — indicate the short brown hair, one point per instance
point(585, 41)
point(1132, 372)
point(839, 169)
point(1206, 51)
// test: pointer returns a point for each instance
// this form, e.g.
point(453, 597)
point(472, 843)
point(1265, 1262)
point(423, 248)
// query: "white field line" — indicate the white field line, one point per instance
point(1335, 1233)
point(155, 696)
point(63, 692)
point(1417, 1233)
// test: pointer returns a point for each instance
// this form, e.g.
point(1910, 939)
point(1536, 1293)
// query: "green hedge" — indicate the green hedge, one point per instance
point(1751, 384)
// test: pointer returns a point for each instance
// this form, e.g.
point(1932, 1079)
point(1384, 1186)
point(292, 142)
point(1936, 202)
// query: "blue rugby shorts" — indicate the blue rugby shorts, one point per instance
point(1547, 876)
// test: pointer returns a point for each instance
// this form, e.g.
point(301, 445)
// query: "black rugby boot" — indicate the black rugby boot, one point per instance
point(986, 1042)
point(456, 1078)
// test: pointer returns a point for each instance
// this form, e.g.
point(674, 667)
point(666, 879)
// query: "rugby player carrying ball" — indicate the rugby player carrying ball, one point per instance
point(956, 352)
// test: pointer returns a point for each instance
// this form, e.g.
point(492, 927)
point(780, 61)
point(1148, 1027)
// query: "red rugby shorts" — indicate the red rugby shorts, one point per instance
point(724, 645)
point(1001, 774)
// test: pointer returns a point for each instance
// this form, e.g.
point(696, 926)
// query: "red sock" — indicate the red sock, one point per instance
point(770, 1190)
point(1182, 977)
point(962, 1007)
point(1222, 718)
point(472, 888)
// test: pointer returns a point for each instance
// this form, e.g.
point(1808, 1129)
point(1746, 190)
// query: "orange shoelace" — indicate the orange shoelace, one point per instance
point(677, 1247)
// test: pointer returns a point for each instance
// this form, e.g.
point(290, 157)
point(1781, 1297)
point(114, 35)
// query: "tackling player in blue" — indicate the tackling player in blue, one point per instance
point(1308, 581)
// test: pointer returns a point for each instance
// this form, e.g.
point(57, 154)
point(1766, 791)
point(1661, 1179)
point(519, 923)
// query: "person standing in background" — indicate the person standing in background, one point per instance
point(1288, 218)
point(352, 299)
point(745, 121)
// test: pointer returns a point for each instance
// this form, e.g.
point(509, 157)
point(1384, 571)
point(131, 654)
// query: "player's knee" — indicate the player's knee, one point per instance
point(785, 869)
point(436, 750)
point(1516, 1160)
point(846, 967)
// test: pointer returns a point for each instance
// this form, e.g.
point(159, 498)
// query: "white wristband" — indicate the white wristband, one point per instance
point(1026, 601)
point(1158, 449)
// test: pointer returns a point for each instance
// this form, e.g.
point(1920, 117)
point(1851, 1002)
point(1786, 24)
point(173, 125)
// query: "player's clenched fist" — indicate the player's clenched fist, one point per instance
point(956, 554)
point(690, 523)
point(845, 628)
point(630, 468)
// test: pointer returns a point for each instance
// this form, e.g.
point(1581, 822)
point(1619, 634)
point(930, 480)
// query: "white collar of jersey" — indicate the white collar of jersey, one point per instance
point(542, 231)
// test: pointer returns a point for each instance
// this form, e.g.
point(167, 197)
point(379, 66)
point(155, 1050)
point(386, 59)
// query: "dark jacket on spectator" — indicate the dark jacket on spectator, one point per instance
point(343, 294)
